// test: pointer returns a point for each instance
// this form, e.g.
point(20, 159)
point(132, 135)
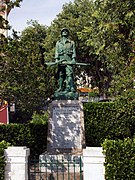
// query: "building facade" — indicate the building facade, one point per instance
point(4, 11)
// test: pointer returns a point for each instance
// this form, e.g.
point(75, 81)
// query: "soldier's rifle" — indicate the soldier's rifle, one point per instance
point(63, 62)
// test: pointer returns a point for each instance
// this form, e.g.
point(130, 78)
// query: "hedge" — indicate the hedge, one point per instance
point(111, 120)
point(3, 145)
point(119, 159)
point(30, 135)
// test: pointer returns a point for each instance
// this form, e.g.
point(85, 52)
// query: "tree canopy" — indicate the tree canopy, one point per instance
point(111, 35)
point(104, 33)
point(25, 79)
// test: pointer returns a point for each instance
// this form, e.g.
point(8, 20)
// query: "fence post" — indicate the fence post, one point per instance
point(16, 163)
point(93, 163)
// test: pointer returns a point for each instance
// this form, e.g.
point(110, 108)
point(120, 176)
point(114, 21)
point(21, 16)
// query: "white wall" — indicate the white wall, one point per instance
point(93, 163)
point(16, 163)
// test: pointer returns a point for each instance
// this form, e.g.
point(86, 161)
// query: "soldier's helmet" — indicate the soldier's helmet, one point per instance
point(64, 29)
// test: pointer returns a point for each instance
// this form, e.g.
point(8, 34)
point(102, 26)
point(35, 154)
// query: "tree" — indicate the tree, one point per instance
point(104, 34)
point(80, 18)
point(111, 36)
point(25, 79)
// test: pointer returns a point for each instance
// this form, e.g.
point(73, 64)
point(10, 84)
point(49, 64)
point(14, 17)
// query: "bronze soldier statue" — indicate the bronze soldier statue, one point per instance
point(65, 59)
point(65, 55)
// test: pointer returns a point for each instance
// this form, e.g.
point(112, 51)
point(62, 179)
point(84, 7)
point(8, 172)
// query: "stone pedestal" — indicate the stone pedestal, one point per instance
point(66, 95)
point(66, 127)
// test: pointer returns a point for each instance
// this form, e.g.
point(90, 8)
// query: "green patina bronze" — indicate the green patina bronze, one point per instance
point(65, 59)
point(56, 63)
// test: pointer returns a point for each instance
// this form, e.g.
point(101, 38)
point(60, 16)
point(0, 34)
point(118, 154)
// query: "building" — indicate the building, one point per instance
point(4, 11)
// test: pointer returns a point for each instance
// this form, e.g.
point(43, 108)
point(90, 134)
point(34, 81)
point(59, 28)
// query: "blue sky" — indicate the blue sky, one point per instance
point(44, 11)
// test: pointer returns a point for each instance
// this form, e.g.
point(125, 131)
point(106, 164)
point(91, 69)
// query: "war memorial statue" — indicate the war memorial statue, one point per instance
point(65, 54)
point(66, 122)
point(65, 58)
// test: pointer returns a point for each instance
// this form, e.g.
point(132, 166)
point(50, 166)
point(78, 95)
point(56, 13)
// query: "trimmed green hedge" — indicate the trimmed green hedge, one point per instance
point(3, 145)
point(120, 159)
point(30, 135)
point(112, 120)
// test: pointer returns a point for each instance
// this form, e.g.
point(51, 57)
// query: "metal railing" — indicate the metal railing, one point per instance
point(54, 167)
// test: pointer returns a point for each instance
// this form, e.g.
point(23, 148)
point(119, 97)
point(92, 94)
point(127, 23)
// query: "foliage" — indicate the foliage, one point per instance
point(40, 118)
point(3, 145)
point(12, 4)
point(112, 120)
point(110, 35)
point(104, 36)
point(3, 23)
point(25, 79)
point(34, 136)
point(119, 159)
point(93, 94)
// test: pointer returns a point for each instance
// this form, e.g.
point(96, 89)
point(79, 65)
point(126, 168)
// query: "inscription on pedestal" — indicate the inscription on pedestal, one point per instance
point(66, 127)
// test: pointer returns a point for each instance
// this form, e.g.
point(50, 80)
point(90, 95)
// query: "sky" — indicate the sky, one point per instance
point(44, 11)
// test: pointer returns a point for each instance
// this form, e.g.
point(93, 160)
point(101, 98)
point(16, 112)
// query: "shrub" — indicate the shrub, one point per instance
point(112, 120)
point(30, 135)
point(40, 118)
point(3, 145)
point(119, 159)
